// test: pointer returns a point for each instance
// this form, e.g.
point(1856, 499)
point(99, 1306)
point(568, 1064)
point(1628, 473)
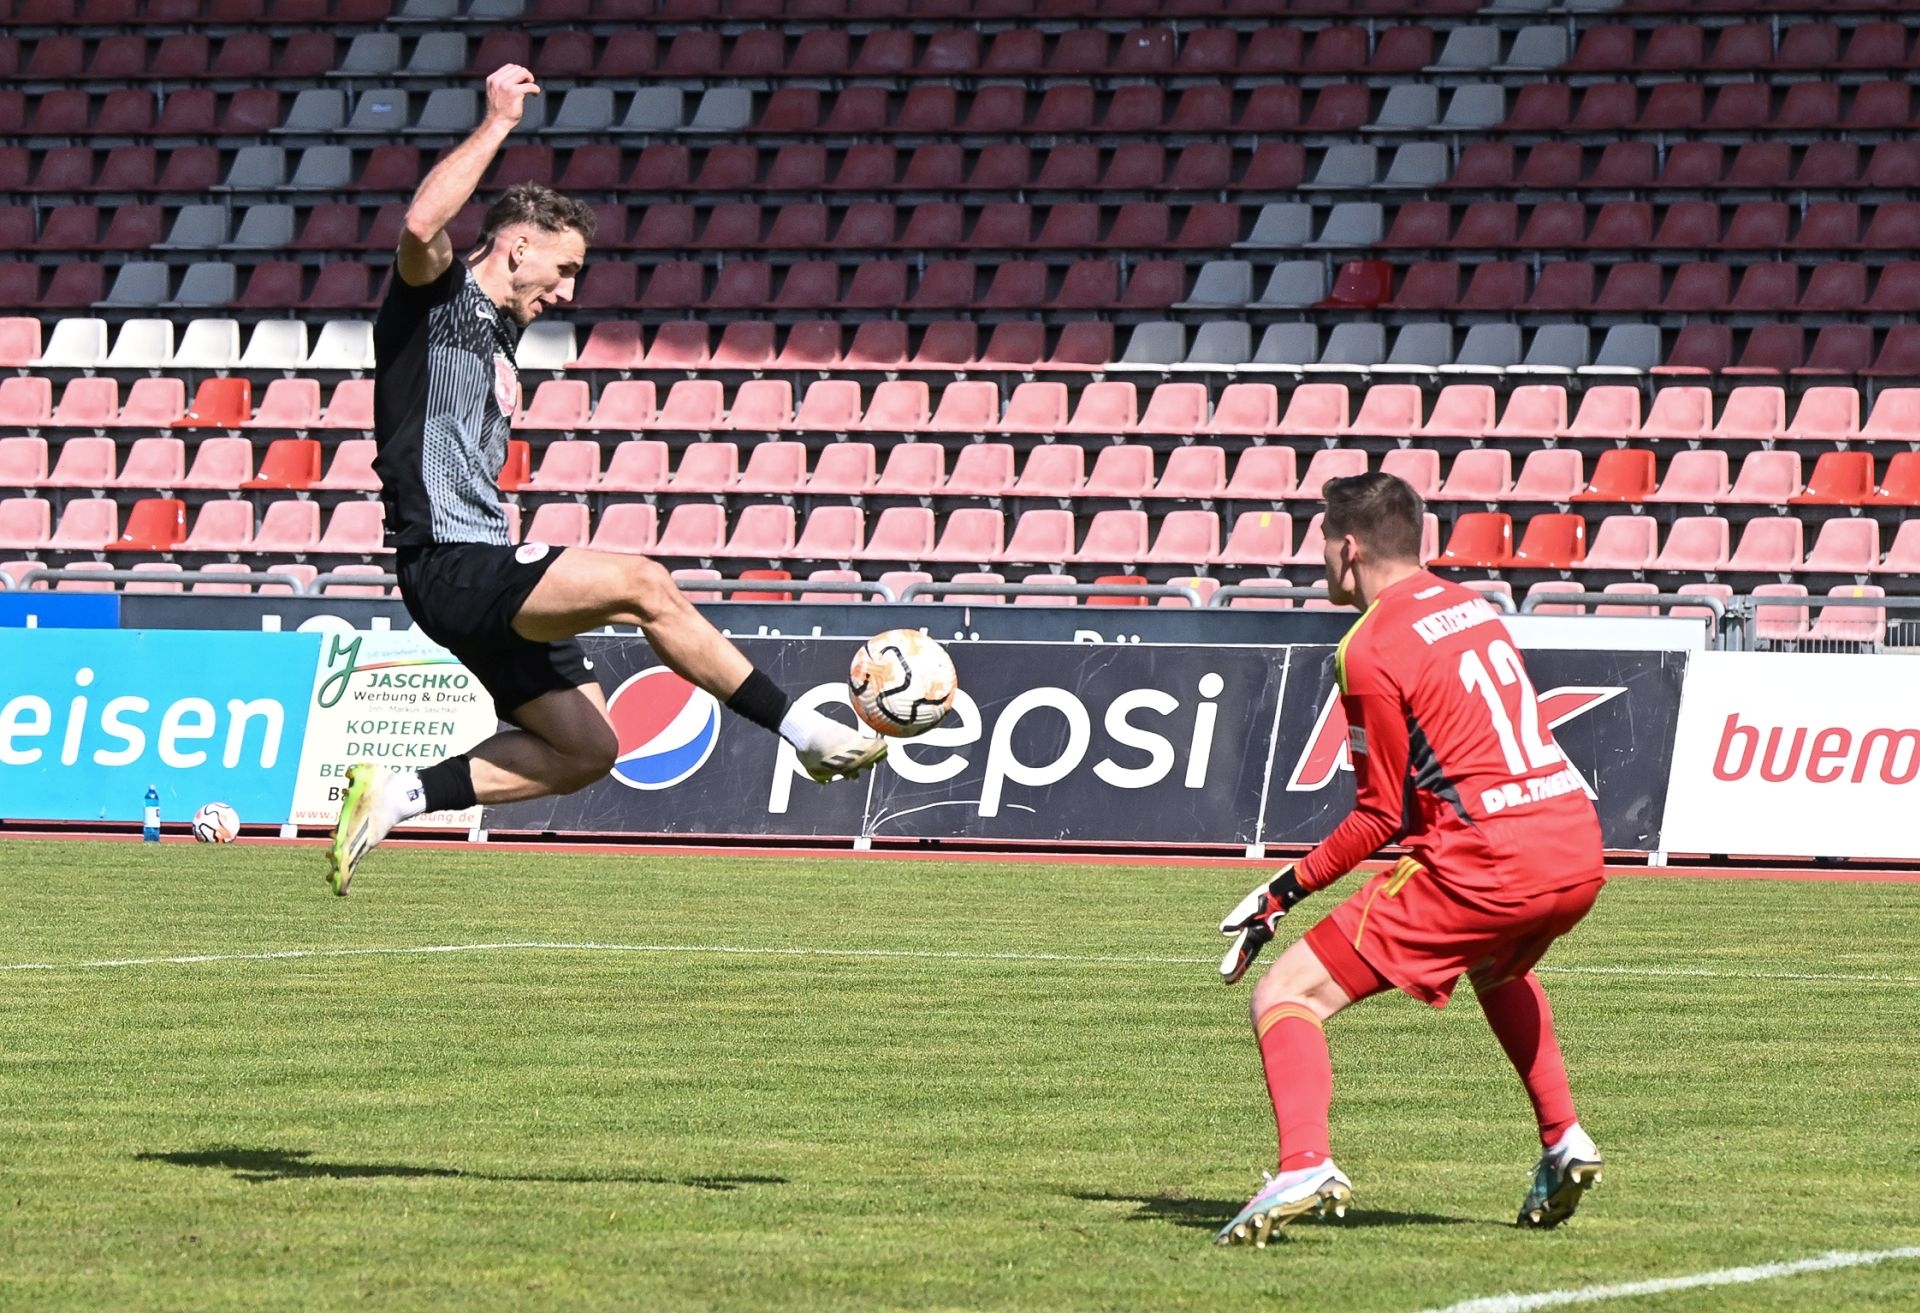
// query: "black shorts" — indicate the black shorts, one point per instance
point(464, 597)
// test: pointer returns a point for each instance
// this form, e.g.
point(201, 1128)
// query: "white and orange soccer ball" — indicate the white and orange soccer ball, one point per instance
point(902, 682)
point(216, 823)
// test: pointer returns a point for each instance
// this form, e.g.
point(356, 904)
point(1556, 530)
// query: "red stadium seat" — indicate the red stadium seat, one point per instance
point(1769, 545)
point(1479, 539)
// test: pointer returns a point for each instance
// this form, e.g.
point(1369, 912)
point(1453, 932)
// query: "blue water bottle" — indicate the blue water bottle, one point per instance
point(150, 825)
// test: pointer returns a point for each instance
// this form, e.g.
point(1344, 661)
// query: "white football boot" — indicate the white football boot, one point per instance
point(1322, 1190)
point(367, 814)
point(1564, 1173)
point(844, 757)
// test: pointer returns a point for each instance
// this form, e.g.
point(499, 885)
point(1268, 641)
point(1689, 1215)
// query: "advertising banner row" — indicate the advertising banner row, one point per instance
point(1216, 746)
point(1221, 746)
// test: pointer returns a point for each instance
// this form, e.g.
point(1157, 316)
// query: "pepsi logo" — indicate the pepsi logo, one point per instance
point(666, 726)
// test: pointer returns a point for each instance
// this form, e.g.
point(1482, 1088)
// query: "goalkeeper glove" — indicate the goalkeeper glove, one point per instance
point(1252, 922)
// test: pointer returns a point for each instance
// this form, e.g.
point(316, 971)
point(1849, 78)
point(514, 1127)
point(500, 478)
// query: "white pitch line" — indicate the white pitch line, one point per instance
point(1726, 1276)
point(731, 950)
point(882, 954)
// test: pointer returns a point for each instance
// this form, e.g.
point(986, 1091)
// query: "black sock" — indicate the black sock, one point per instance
point(448, 785)
point(761, 701)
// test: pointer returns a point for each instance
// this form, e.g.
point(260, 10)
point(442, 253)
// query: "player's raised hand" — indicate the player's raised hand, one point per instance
point(1253, 920)
point(507, 90)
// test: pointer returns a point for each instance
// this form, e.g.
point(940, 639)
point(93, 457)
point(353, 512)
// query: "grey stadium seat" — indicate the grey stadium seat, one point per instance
point(317, 110)
point(383, 110)
point(207, 282)
point(1346, 166)
point(438, 54)
point(264, 168)
point(1282, 225)
point(1293, 285)
point(1218, 343)
point(1410, 107)
point(1352, 348)
point(1221, 284)
point(1350, 225)
point(196, 228)
point(1468, 50)
point(1419, 349)
point(723, 109)
point(371, 54)
point(140, 283)
point(1629, 349)
point(1487, 349)
point(1557, 349)
point(655, 109)
point(455, 111)
point(267, 227)
point(1156, 345)
point(322, 168)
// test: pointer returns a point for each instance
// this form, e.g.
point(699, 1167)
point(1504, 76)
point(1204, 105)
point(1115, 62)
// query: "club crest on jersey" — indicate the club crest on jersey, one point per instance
point(506, 385)
point(667, 729)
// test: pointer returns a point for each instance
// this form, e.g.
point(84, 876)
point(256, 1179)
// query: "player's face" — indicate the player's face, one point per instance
point(544, 272)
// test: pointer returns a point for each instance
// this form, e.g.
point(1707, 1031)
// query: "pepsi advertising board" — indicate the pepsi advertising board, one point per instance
point(1064, 743)
point(90, 718)
point(1614, 714)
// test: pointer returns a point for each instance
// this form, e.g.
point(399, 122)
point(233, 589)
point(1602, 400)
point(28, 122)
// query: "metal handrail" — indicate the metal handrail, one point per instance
point(1719, 608)
point(1291, 592)
point(325, 577)
point(46, 575)
point(856, 587)
point(933, 588)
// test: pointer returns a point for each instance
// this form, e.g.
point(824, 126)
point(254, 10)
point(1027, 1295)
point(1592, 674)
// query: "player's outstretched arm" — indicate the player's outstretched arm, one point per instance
point(425, 250)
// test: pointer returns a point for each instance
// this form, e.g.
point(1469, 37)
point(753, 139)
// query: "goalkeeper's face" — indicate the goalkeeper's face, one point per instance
point(542, 267)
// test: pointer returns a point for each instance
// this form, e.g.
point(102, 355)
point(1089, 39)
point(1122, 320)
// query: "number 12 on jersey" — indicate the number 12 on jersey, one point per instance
point(1512, 707)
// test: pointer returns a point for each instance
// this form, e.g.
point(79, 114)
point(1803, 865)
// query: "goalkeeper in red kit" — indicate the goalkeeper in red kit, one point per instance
point(1452, 760)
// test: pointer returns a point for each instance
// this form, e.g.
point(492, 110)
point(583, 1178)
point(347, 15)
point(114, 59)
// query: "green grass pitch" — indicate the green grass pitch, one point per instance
point(988, 1118)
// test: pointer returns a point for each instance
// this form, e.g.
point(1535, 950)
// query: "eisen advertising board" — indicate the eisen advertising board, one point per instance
point(1797, 755)
point(1140, 744)
point(90, 718)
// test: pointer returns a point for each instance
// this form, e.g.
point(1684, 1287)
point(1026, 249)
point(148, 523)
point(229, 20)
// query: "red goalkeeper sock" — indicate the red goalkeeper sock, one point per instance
point(1523, 1023)
point(1293, 1049)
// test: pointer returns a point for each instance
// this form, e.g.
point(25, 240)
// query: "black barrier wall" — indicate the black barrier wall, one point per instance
point(1613, 713)
point(1190, 746)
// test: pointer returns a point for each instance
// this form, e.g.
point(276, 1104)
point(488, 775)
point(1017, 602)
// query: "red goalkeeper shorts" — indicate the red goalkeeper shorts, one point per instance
point(1406, 928)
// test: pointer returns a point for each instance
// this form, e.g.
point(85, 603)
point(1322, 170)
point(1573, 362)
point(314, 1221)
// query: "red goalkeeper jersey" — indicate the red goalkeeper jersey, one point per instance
point(1450, 754)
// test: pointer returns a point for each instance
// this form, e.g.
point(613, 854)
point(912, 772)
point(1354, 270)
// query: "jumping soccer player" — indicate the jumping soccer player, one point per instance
point(445, 390)
point(1452, 759)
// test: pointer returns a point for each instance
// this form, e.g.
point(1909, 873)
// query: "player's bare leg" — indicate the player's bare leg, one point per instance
point(565, 742)
point(1290, 1004)
point(585, 590)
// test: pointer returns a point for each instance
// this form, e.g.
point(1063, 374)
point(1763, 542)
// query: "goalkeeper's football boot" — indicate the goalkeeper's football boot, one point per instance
point(365, 819)
point(1322, 1190)
point(846, 758)
point(1565, 1173)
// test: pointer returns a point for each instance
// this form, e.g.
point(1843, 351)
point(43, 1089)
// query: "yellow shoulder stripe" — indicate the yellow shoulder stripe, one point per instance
point(1340, 653)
